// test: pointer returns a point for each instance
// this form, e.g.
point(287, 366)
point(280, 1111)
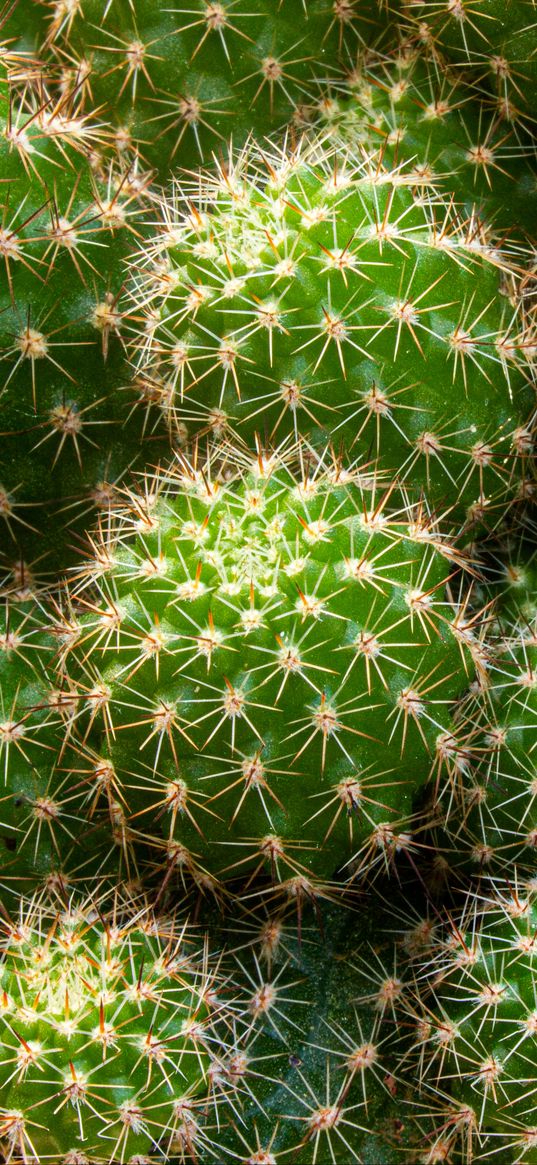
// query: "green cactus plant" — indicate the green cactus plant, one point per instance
point(496, 732)
point(268, 666)
point(49, 837)
point(509, 566)
point(323, 293)
point(316, 1080)
point(426, 117)
point(177, 81)
point(108, 1019)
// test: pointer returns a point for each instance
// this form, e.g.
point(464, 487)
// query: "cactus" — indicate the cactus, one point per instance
point(298, 662)
point(177, 81)
point(68, 223)
point(427, 118)
point(491, 41)
point(509, 565)
point(48, 835)
point(30, 744)
point(323, 294)
point(268, 665)
point(474, 1027)
point(316, 1080)
point(496, 732)
point(107, 1026)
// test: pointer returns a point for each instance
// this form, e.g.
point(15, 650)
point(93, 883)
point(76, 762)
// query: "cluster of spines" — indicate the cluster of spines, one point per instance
point(445, 131)
point(490, 43)
point(473, 1011)
point(69, 218)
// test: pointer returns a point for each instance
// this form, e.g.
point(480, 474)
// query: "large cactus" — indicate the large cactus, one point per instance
point(269, 665)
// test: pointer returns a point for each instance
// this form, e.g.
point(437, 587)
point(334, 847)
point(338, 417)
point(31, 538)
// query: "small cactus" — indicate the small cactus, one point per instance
point(107, 1026)
point(268, 664)
point(323, 294)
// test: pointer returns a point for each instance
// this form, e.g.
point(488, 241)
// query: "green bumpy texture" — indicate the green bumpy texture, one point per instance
point(449, 135)
point(28, 741)
point(327, 295)
point(487, 40)
point(497, 734)
point(315, 1075)
point(106, 1022)
point(177, 81)
point(267, 668)
point(68, 223)
point(475, 1027)
point(50, 838)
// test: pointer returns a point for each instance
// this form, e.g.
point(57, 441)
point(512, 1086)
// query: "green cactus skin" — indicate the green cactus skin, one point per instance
point(33, 728)
point(66, 228)
point(330, 296)
point(510, 567)
point(22, 28)
point(108, 1018)
point(49, 838)
point(425, 117)
point(487, 40)
point(177, 81)
point(497, 758)
point(268, 667)
point(474, 1016)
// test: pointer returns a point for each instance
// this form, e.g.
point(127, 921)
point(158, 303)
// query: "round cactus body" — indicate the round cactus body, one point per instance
point(475, 1027)
point(329, 296)
point(268, 666)
point(177, 81)
point(106, 1022)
